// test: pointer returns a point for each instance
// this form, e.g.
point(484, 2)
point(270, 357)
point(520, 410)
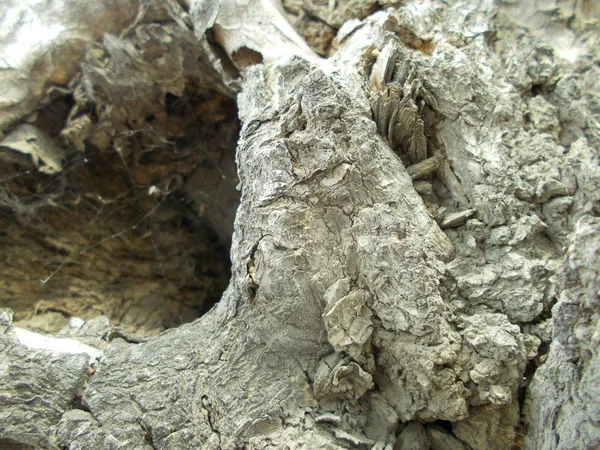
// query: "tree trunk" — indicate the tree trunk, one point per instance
point(404, 205)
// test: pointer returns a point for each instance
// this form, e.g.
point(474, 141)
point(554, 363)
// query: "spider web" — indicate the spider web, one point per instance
point(94, 240)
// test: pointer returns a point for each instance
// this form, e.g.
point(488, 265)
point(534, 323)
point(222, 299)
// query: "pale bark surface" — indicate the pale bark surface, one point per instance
point(414, 257)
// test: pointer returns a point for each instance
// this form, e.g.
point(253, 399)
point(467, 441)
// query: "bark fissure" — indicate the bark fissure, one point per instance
point(403, 207)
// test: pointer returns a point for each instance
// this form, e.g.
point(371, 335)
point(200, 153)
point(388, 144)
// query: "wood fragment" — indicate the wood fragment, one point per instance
point(456, 219)
point(423, 168)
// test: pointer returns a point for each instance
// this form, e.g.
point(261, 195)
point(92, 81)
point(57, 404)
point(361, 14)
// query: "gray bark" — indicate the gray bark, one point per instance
point(404, 206)
point(563, 405)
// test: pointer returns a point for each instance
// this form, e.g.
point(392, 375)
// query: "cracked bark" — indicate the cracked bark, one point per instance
point(351, 319)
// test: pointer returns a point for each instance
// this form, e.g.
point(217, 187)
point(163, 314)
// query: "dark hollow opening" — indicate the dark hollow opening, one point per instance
point(137, 224)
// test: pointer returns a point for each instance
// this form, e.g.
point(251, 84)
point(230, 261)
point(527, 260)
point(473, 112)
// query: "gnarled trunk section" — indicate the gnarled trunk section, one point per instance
point(404, 205)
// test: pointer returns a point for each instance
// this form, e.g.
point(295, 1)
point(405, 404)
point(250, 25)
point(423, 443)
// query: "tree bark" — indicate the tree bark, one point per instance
point(404, 206)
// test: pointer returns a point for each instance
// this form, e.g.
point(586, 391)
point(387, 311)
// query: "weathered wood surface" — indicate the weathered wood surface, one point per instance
point(362, 311)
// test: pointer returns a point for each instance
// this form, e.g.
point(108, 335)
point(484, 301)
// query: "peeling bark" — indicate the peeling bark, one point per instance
point(404, 206)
